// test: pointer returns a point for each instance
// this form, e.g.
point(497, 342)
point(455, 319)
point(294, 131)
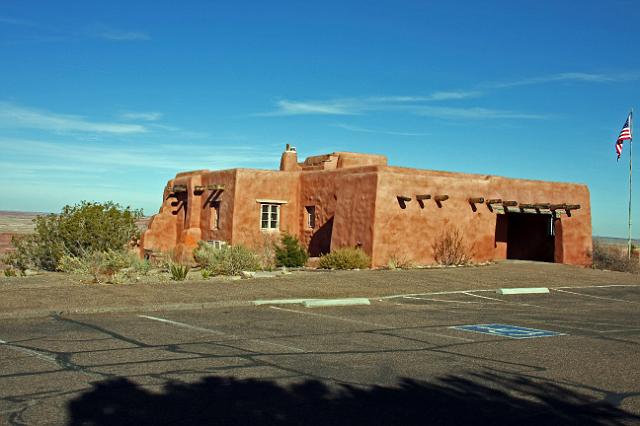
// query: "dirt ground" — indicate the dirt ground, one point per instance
point(55, 292)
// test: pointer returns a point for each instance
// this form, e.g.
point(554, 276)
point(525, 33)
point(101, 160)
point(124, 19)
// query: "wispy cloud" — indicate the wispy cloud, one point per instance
point(14, 116)
point(170, 157)
point(376, 131)
point(357, 106)
point(331, 107)
point(567, 76)
point(115, 34)
point(473, 113)
point(143, 116)
point(18, 22)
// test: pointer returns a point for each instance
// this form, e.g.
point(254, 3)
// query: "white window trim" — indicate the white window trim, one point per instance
point(269, 213)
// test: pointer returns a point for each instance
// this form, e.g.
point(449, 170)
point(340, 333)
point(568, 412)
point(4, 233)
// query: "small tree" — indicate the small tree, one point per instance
point(290, 253)
point(77, 231)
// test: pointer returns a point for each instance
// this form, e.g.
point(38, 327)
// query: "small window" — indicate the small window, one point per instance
point(311, 216)
point(214, 220)
point(269, 216)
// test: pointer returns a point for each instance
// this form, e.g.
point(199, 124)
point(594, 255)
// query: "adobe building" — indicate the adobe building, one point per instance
point(346, 199)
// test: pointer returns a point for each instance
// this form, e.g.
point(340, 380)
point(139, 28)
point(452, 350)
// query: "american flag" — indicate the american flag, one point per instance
point(625, 134)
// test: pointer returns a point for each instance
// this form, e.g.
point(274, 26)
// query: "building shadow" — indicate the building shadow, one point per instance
point(480, 398)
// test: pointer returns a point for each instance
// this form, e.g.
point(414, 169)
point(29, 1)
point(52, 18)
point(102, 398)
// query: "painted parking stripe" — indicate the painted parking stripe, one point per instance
point(31, 352)
point(507, 330)
point(219, 333)
point(485, 297)
point(595, 297)
point(381, 326)
point(438, 300)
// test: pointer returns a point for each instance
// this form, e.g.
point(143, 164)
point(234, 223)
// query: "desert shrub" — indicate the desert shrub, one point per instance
point(10, 272)
point(266, 251)
point(345, 258)
point(450, 249)
point(178, 271)
point(206, 274)
point(228, 260)
point(77, 231)
point(100, 265)
point(612, 258)
point(290, 253)
point(399, 262)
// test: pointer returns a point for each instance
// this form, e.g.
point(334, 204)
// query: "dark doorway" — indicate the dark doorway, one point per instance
point(530, 237)
point(321, 240)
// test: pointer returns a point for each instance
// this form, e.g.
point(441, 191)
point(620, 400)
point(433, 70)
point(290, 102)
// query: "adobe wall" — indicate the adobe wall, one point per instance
point(411, 232)
point(345, 204)
point(184, 217)
point(254, 185)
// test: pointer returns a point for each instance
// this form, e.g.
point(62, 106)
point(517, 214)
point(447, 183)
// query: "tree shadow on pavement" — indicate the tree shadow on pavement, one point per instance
point(480, 398)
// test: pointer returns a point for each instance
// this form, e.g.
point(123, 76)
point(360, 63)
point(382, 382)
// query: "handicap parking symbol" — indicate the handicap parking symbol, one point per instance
point(506, 330)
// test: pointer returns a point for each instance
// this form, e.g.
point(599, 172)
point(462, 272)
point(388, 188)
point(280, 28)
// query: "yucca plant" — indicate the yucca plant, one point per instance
point(178, 271)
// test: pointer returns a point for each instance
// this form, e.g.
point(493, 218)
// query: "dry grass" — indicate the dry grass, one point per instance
point(614, 258)
point(451, 249)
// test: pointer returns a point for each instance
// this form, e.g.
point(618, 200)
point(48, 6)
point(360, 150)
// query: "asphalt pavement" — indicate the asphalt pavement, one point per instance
point(401, 360)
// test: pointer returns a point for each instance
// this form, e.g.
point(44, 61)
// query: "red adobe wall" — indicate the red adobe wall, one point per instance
point(253, 185)
point(344, 200)
point(355, 199)
point(410, 232)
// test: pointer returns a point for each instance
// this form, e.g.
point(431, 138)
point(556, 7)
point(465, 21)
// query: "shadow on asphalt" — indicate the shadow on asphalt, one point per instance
point(483, 398)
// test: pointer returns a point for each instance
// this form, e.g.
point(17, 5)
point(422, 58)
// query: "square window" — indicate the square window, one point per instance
point(269, 216)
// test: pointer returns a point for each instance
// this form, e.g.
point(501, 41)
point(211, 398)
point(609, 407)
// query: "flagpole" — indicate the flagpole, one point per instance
point(630, 168)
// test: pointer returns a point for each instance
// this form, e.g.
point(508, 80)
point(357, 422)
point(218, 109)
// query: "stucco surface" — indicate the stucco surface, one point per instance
point(358, 203)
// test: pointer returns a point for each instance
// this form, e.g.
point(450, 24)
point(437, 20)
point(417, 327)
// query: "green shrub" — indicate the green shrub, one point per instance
point(290, 253)
point(345, 258)
point(206, 274)
point(228, 260)
point(449, 248)
point(178, 271)
point(77, 231)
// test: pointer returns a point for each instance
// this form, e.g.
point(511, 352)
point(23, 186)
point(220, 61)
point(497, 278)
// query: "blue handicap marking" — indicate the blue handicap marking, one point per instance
point(506, 330)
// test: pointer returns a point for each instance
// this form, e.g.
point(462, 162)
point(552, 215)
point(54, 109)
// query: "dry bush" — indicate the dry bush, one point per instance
point(228, 260)
point(450, 249)
point(105, 266)
point(345, 258)
point(399, 262)
point(614, 259)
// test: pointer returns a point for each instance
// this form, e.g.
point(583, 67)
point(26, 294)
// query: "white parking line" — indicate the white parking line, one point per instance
point(39, 355)
point(382, 326)
point(438, 300)
point(595, 297)
point(219, 333)
point(484, 297)
point(483, 290)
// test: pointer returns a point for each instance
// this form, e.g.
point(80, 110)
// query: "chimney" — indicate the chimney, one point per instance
point(289, 159)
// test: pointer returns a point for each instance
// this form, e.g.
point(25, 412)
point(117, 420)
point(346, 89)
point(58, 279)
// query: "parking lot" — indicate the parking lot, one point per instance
point(399, 360)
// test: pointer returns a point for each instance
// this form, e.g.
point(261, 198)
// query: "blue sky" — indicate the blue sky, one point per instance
point(108, 100)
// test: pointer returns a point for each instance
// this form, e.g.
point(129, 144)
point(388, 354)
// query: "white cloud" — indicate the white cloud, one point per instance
point(116, 34)
point(14, 116)
point(376, 131)
point(356, 106)
point(473, 113)
point(143, 116)
point(167, 157)
point(331, 107)
point(567, 76)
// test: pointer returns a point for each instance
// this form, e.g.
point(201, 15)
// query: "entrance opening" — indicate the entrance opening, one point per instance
point(530, 237)
point(321, 240)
